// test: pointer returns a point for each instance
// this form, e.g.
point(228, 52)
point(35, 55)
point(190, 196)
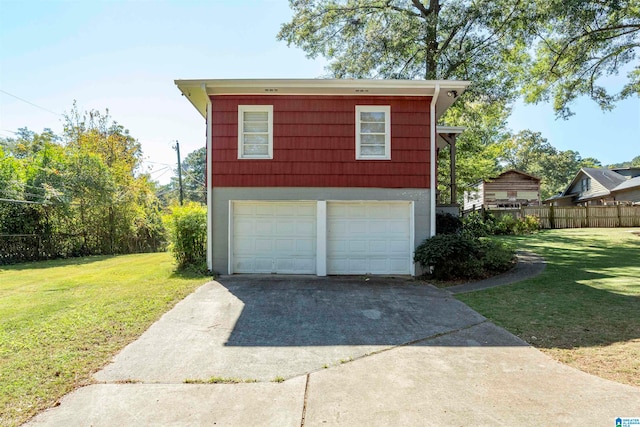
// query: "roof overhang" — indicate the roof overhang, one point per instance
point(444, 131)
point(198, 91)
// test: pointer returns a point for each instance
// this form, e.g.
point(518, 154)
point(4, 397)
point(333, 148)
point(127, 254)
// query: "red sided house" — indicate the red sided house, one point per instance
point(320, 176)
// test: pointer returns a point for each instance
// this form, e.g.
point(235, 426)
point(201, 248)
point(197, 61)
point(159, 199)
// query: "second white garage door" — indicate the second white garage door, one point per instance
point(369, 238)
point(274, 237)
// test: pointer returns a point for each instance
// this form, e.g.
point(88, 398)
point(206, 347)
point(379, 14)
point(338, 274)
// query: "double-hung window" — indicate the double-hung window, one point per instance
point(373, 132)
point(255, 131)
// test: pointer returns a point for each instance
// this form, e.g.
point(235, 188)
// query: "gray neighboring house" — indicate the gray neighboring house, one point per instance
point(599, 187)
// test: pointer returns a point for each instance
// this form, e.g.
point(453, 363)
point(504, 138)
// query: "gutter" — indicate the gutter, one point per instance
point(432, 160)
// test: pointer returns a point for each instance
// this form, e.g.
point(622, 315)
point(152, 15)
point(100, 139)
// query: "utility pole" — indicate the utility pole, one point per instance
point(177, 148)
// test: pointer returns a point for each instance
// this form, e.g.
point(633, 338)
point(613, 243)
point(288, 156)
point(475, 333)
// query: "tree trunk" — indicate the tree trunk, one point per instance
point(431, 40)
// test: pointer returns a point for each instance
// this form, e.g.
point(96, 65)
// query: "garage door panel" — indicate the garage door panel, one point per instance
point(263, 209)
point(396, 226)
point(358, 246)
point(379, 265)
point(308, 210)
point(336, 246)
point(378, 246)
point(285, 227)
point(397, 266)
point(260, 245)
point(369, 237)
point(305, 227)
point(274, 237)
point(306, 246)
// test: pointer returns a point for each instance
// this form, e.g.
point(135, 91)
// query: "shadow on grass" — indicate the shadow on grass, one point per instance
point(589, 294)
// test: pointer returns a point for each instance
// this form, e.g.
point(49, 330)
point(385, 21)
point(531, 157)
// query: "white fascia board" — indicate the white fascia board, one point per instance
point(360, 87)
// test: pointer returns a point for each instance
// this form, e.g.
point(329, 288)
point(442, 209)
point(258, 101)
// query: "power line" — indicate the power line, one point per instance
point(30, 103)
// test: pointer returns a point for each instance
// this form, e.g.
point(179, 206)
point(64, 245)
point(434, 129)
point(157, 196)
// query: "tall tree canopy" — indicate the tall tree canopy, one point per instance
point(579, 42)
point(77, 194)
point(409, 39)
point(193, 180)
point(529, 152)
point(548, 48)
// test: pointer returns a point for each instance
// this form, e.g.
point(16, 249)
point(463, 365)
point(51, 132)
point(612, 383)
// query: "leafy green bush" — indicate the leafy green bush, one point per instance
point(447, 224)
point(497, 256)
point(478, 224)
point(505, 225)
point(459, 256)
point(188, 230)
point(527, 225)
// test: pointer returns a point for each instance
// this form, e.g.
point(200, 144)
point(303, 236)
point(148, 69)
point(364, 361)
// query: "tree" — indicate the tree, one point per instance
point(193, 170)
point(478, 147)
point(580, 42)
point(193, 180)
point(482, 41)
point(635, 162)
point(529, 152)
point(79, 194)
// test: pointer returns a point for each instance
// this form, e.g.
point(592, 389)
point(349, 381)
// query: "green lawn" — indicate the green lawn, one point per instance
point(62, 320)
point(584, 309)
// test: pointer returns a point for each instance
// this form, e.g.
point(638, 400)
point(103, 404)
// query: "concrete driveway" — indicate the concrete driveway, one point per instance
point(335, 351)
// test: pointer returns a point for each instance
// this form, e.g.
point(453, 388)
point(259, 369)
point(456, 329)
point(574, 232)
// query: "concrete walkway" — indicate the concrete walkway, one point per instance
point(335, 351)
point(529, 265)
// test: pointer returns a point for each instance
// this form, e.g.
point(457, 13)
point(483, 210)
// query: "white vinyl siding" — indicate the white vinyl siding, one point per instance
point(255, 131)
point(373, 132)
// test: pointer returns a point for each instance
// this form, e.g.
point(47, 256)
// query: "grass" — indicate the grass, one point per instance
point(220, 380)
point(584, 309)
point(62, 320)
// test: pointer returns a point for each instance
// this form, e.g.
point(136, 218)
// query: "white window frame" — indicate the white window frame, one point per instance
point(386, 109)
point(260, 108)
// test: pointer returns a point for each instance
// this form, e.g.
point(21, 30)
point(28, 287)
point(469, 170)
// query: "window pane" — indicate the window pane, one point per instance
point(372, 116)
point(256, 126)
point(372, 127)
point(256, 138)
point(256, 150)
point(372, 139)
point(372, 150)
point(256, 116)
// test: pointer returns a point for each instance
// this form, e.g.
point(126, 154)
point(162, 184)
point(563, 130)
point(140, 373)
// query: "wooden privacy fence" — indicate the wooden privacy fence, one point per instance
point(580, 216)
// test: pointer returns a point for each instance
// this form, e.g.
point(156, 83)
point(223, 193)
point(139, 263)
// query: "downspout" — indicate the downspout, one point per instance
point(432, 160)
point(209, 184)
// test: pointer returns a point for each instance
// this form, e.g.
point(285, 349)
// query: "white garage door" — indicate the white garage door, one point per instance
point(274, 237)
point(369, 238)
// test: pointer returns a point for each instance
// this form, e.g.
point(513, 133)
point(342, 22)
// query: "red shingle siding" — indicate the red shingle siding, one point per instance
point(314, 143)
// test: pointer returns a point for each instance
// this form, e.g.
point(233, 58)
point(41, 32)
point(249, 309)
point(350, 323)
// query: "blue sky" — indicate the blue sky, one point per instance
point(124, 56)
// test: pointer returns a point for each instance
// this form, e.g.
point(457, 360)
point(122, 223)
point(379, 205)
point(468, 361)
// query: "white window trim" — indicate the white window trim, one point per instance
point(386, 109)
point(262, 108)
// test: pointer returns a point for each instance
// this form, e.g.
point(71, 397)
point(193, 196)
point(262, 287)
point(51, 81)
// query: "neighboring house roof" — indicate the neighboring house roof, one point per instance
point(630, 172)
point(607, 178)
point(515, 171)
point(556, 197)
point(628, 184)
point(198, 91)
point(477, 184)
